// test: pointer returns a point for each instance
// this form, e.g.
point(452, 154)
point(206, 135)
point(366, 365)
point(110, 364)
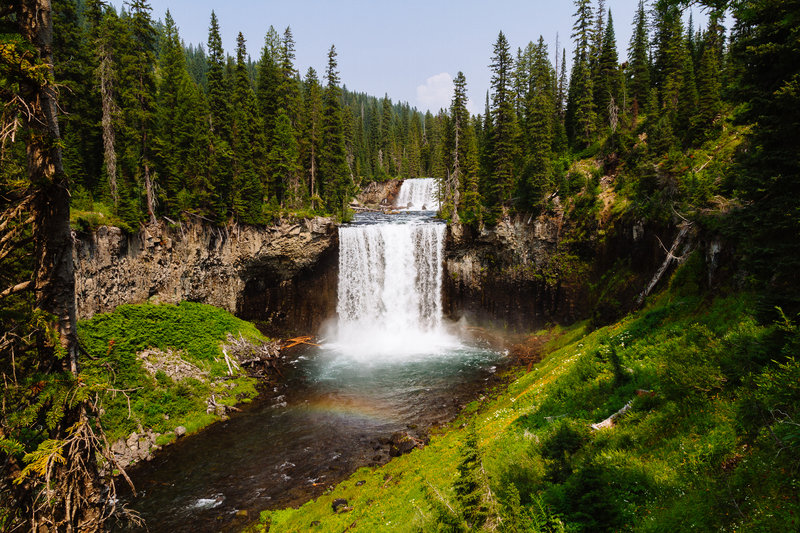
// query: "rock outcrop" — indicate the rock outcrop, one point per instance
point(283, 276)
point(381, 193)
point(497, 276)
point(527, 272)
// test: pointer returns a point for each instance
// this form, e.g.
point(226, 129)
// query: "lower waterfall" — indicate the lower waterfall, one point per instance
point(390, 287)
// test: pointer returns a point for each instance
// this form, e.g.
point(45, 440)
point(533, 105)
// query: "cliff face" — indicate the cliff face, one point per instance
point(283, 276)
point(499, 275)
point(523, 274)
point(380, 193)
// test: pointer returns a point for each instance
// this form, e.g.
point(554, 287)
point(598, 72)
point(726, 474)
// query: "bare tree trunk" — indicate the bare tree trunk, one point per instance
point(105, 73)
point(150, 197)
point(71, 499)
point(54, 279)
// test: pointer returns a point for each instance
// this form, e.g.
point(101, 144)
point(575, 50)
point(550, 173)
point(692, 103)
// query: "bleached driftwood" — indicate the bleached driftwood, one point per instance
point(679, 238)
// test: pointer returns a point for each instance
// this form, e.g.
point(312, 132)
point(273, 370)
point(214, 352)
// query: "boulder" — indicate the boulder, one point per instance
point(403, 442)
point(180, 431)
point(339, 505)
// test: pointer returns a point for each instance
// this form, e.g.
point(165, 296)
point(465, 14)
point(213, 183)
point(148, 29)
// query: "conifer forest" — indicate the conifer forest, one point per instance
point(590, 322)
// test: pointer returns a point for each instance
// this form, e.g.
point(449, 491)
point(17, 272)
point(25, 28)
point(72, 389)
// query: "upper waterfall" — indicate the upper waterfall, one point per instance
point(419, 194)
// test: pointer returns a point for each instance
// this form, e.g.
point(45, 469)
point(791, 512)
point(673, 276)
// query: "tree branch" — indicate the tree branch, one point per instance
point(19, 287)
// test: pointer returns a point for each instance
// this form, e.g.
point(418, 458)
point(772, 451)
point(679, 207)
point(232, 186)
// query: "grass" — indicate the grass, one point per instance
point(136, 399)
point(715, 447)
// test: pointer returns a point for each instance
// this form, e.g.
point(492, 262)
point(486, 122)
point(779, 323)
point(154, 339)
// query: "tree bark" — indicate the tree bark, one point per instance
point(71, 498)
point(105, 75)
point(54, 278)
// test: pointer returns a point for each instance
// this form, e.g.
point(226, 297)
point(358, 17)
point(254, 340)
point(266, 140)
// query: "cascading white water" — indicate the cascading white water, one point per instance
point(390, 288)
point(420, 194)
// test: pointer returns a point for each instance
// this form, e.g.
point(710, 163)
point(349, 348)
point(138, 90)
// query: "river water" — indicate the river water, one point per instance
point(387, 363)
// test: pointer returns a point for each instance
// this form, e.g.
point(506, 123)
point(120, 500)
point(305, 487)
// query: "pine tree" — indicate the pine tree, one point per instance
point(335, 182)
point(639, 62)
point(767, 50)
point(709, 88)
point(674, 79)
point(247, 194)
point(505, 128)
point(311, 137)
point(469, 485)
point(581, 116)
point(539, 108)
point(103, 30)
point(220, 155)
point(137, 74)
point(609, 81)
point(74, 64)
point(283, 157)
point(455, 177)
point(268, 84)
point(386, 140)
point(176, 121)
point(288, 92)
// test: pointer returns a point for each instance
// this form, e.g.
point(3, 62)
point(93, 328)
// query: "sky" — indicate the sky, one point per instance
point(409, 49)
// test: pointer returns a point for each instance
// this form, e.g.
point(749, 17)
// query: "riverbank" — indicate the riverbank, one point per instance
point(690, 450)
point(169, 371)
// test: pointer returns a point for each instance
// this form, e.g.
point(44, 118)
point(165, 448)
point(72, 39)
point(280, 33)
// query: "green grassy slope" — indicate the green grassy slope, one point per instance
point(138, 399)
point(715, 447)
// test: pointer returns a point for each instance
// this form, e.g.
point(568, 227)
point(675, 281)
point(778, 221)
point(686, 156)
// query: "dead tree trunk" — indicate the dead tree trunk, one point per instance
point(105, 75)
point(71, 496)
point(682, 233)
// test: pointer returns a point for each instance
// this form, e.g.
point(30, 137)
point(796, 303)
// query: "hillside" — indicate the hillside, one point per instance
point(708, 438)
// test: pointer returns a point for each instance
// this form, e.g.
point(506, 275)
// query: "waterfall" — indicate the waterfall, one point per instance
point(390, 288)
point(421, 194)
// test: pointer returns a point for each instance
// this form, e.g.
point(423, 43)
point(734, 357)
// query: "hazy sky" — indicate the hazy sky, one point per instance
point(407, 49)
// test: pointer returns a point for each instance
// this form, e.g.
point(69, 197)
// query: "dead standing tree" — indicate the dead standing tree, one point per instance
point(57, 485)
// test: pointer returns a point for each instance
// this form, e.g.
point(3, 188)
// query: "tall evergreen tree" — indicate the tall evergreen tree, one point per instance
point(247, 194)
point(767, 45)
point(311, 138)
point(335, 179)
point(138, 92)
point(288, 88)
point(220, 155)
point(455, 178)
point(269, 82)
point(608, 90)
point(581, 114)
point(505, 127)
point(639, 62)
point(181, 125)
point(74, 63)
point(539, 114)
point(386, 140)
point(709, 88)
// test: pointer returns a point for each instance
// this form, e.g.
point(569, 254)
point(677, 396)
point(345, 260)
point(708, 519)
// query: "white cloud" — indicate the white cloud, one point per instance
point(436, 93)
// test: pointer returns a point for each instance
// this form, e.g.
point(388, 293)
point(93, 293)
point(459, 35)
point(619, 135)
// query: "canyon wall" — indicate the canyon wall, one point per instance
point(528, 272)
point(283, 276)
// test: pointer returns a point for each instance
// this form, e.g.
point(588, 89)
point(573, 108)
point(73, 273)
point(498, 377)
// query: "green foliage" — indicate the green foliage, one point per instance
point(469, 486)
point(194, 331)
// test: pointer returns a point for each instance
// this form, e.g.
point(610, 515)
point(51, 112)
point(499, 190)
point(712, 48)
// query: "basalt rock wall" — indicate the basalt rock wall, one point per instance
point(521, 275)
point(283, 276)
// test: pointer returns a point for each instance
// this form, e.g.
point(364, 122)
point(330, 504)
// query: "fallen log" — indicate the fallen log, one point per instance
point(609, 422)
point(299, 340)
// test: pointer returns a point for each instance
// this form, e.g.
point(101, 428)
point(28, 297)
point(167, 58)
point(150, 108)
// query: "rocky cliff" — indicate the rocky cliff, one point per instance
point(527, 272)
point(380, 193)
point(283, 276)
